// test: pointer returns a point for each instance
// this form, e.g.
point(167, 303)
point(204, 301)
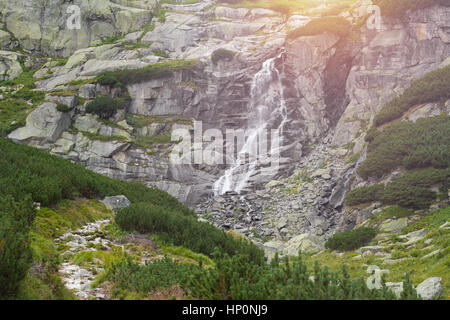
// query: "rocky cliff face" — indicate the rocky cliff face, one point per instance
point(333, 87)
point(40, 26)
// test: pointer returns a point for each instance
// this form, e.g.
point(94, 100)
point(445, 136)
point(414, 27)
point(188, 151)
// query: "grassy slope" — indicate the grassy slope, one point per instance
point(419, 269)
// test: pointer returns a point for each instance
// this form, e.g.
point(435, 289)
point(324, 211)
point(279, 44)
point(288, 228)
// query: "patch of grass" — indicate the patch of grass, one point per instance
point(222, 54)
point(52, 288)
point(201, 259)
point(140, 121)
point(134, 45)
point(148, 142)
point(99, 137)
point(86, 258)
point(160, 53)
point(110, 40)
point(62, 62)
point(336, 25)
point(61, 93)
point(12, 115)
point(68, 215)
point(430, 221)
point(156, 70)
point(77, 83)
point(147, 28)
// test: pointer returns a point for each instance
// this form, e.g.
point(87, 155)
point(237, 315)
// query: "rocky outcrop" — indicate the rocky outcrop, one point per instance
point(43, 127)
point(10, 67)
point(430, 289)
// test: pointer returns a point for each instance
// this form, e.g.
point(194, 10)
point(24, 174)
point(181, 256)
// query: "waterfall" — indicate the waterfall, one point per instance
point(267, 111)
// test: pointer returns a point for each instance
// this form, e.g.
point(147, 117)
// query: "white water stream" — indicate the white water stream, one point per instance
point(267, 111)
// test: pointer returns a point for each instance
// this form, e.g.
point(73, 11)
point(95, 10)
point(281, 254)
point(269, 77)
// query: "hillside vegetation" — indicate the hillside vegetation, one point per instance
point(153, 71)
point(433, 87)
point(239, 270)
point(421, 150)
point(48, 179)
point(29, 175)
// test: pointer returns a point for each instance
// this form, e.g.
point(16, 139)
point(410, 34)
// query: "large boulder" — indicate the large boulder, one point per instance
point(394, 226)
point(106, 149)
point(10, 67)
point(304, 242)
point(116, 202)
point(44, 125)
point(430, 289)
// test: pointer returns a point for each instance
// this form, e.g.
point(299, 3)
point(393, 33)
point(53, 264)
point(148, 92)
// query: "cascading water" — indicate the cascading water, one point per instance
point(267, 111)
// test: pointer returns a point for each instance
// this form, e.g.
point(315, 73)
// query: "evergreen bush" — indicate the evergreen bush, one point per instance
point(15, 252)
point(351, 239)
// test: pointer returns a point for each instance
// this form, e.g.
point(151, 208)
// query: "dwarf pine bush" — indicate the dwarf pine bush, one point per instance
point(351, 239)
point(15, 252)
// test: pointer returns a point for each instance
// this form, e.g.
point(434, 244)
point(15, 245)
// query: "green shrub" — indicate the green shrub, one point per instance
point(222, 54)
point(425, 143)
point(408, 196)
point(181, 230)
point(129, 275)
point(364, 195)
point(49, 179)
point(433, 87)
point(15, 252)
point(336, 25)
point(62, 107)
point(156, 70)
point(105, 107)
point(109, 79)
point(426, 178)
point(351, 239)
